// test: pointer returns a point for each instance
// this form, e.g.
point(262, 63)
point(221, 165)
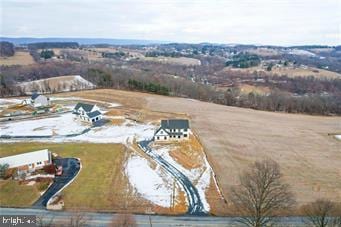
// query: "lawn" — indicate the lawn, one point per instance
point(14, 194)
point(96, 186)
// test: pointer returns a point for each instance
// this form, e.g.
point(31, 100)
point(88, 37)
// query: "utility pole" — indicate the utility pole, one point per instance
point(173, 199)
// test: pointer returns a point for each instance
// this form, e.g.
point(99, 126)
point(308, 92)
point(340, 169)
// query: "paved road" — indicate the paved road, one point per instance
point(70, 170)
point(195, 205)
point(103, 219)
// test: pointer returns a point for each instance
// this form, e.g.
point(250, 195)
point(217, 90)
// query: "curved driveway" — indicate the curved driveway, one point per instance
point(195, 205)
point(71, 167)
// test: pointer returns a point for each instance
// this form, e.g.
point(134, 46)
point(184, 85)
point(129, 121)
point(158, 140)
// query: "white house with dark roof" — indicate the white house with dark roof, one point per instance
point(29, 161)
point(87, 112)
point(38, 100)
point(172, 130)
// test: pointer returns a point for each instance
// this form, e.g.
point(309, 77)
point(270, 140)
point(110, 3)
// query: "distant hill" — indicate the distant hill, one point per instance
point(81, 41)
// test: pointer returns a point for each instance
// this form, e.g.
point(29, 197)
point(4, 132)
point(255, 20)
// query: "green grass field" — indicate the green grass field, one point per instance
point(92, 189)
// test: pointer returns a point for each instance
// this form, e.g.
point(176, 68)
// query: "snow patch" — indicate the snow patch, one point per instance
point(200, 177)
point(338, 137)
point(60, 83)
point(10, 101)
point(63, 124)
point(66, 124)
point(150, 184)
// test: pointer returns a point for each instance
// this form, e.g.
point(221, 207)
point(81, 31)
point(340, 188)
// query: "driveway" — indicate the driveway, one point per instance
point(70, 169)
point(195, 206)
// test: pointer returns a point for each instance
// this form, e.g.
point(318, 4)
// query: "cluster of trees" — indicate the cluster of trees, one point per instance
point(172, 54)
point(149, 87)
point(6, 49)
point(117, 54)
point(243, 60)
point(46, 54)
point(283, 102)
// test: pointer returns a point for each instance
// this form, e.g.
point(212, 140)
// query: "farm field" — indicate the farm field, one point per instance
point(292, 72)
point(19, 58)
point(177, 60)
point(236, 137)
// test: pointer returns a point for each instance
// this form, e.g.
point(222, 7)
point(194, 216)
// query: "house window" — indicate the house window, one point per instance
point(96, 118)
point(185, 135)
point(93, 120)
point(158, 137)
point(39, 163)
point(185, 129)
point(178, 137)
point(165, 137)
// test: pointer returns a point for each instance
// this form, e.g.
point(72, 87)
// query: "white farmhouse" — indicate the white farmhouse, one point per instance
point(87, 112)
point(38, 100)
point(172, 130)
point(30, 161)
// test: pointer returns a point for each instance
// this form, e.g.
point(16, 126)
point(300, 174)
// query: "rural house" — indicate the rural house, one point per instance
point(87, 112)
point(30, 161)
point(38, 100)
point(173, 129)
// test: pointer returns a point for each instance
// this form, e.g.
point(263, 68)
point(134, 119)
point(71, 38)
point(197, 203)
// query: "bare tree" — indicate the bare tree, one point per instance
point(261, 194)
point(123, 220)
point(319, 213)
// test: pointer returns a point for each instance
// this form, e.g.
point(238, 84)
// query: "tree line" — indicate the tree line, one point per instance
point(6, 49)
point(305, 95)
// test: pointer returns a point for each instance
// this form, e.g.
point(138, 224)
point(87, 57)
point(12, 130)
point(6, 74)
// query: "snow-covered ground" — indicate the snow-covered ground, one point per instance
point(10, 101)
point(201, 177)
point(301, 52)
point(151, 184)
point(66, 124)
point(124, 133)
point(63, 124)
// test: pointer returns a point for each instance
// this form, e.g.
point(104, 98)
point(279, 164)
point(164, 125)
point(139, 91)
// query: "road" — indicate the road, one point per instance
point(195, 206)
point(103, 219)
point(70, 169)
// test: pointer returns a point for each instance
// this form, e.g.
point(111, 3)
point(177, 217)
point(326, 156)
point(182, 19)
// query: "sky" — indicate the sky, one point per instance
point(271, 22)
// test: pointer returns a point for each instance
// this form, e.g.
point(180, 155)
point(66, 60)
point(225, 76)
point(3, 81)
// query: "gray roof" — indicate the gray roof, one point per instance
point(94, 114)
point(34, 95)
point(87, 107)
point(175, 124)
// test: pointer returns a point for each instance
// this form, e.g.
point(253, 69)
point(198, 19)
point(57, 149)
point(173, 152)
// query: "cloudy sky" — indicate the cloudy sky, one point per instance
point(278, 22)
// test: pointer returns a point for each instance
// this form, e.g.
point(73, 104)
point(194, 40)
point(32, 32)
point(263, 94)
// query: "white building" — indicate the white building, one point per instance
point(87, 112)
point(28, 161)
point(172, 130)
point(38, 100)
